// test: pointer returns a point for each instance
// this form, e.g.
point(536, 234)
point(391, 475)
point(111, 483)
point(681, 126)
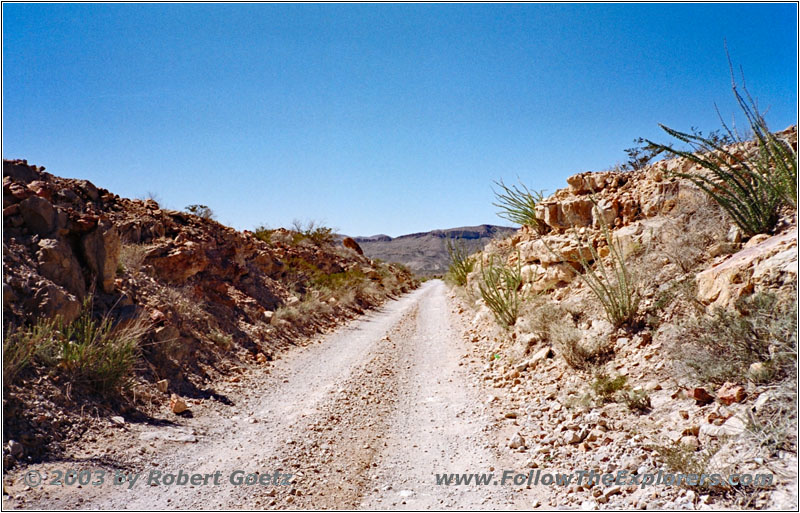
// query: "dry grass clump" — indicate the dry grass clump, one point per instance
point(91, 350)
point(132, 256)
point(183, 300)
point(550, 322)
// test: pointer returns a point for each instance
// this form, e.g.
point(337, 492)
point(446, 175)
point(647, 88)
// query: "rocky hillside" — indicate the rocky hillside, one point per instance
point(113, 304)
point(700, 379)
point(426, 253)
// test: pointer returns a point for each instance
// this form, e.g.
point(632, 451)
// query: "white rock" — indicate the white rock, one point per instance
point(517, 441)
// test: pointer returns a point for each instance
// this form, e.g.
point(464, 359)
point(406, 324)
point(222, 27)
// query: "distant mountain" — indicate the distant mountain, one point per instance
point(425, 253)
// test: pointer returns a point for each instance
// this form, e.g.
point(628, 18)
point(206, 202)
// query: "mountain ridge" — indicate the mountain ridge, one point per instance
point(425, 253)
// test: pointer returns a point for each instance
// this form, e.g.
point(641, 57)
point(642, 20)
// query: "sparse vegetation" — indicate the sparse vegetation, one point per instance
point(97, 352)
point(518, 204)
point(773, 426)
point(263, 233)
point(500, 289)
point(639, 155)
point(683, 459)
point(311, 231)
point(461, 263)
point(131, 257)
point(222, 340)
point(21, 346)
point(613, 284)
point(605, 387)
point(201, 211)
point(722, 347)
point(92, 351)
point(635, 400)
point(752, 186)
point(542, 315)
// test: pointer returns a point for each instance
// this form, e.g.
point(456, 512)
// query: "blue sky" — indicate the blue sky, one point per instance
point(371, 118)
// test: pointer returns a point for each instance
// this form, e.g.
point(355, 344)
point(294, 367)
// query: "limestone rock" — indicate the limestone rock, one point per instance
point(771, 257)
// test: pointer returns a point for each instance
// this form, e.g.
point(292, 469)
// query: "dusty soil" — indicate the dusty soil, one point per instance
point(361, 418)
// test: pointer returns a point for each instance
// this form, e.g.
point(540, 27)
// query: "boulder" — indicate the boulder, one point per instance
point(605, 212)
point(352, 244)
point(58, 263)
point(180, 263)
point(731, 393)
point(578, 212)
point(773, 259)
point(51, 301)
point(20, 170)
point(700, 395)
point(39, 215)
point(101, 249)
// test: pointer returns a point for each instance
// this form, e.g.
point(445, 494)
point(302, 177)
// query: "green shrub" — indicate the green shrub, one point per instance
point(683, 459)
point(721, 347)
point(499, 286)
point(461, 264)
point(88, 350)
point(97, 353)
point(606, 387)
point(751, 188)
point(636, 400)
point(222, 340)
point(22, 345)
point(518, 205)
point(312, 231)
point(263, 233)
point(201, 211)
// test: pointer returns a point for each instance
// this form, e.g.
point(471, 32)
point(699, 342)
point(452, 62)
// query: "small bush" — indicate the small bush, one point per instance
point(312, 231)
point(606, 387)
point(91, 351)
point(201, 211)
point(263, 233)
point(751, 186)
point(542, 316)
point(636, 400)
point(721, 347)
point(568, 341)
point(461, 264)
point(518, 205)
point(222, 340)
point(774, 425)
point(499, 286)
point(683, 459)
point(639, 156)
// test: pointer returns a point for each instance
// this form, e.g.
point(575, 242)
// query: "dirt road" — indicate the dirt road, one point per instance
point(362, 418)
